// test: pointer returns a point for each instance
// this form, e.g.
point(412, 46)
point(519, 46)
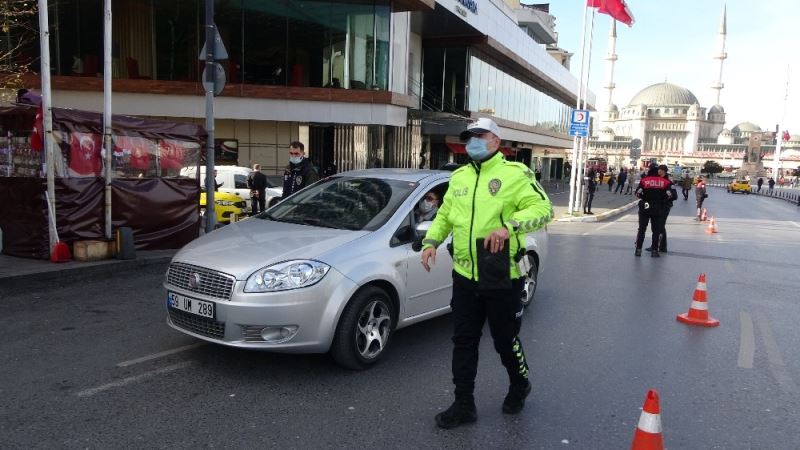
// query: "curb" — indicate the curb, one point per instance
point(75, 274)
point(602, 216)
point(786, 196)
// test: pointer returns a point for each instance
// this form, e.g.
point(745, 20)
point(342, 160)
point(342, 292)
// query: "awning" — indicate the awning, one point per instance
point(461, 148)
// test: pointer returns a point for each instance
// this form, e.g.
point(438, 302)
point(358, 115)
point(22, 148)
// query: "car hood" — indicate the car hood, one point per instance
point(243, 247)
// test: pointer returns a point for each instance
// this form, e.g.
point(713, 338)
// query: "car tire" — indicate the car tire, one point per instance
point(531, 281)
point(364, 330)
point(272, 202)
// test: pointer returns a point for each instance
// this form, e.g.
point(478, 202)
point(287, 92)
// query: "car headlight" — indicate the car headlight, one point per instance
point(224, 202)
point(286, 275)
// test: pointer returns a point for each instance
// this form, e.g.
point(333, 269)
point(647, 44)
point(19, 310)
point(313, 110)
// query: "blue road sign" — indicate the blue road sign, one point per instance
point(579, 123)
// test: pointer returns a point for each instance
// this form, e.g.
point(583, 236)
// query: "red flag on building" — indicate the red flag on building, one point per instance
point(84, 151)
point(786, 135)
point(617, 9)
point(136, 148)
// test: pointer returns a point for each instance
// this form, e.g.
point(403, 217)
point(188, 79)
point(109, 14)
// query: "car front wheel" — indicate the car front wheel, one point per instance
point(364, 330)
point(531, 281)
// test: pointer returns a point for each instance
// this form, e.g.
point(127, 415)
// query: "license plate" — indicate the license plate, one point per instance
point(191, 305)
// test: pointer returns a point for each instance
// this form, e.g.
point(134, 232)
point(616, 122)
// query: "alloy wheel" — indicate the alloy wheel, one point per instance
point(372, 329)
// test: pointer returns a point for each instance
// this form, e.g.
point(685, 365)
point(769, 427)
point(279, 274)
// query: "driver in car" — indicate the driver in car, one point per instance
point(427, 207)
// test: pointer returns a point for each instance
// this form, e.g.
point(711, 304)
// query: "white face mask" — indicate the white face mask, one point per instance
point(295, 159)
point(425, 206)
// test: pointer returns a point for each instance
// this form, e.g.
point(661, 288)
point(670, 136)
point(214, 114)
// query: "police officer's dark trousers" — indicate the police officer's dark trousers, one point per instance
point(654, 215)
point(471, 308)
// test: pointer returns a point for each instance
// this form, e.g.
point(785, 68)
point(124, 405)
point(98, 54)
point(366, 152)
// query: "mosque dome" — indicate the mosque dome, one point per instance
point(612, 108)
point(663, 94)
point(716, 109)
point(746, 127)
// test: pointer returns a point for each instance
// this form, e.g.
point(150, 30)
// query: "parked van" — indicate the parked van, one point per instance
point(233, 179)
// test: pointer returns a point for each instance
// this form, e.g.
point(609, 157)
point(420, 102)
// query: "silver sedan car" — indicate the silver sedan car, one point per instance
point(333, 268)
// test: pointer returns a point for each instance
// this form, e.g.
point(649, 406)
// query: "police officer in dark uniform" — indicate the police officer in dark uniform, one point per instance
point(300, 172)
point(653, 193)
point(663, 172)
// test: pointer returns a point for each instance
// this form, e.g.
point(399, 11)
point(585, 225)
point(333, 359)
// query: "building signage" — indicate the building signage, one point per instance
point(579, 123)
point(471, 5)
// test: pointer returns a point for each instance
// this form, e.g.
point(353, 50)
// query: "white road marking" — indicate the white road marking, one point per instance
point(599, 228)
point(795, 224)
point(747, 341)
point(134, 379)
point(776, 364)
point(160, 354)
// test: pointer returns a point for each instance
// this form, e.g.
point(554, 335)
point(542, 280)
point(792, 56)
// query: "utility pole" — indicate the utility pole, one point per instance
point(211, 73)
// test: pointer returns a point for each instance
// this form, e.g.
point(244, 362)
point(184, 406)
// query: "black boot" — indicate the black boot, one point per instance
point(515, 399)
point(460, 412)
point(654, 254)
point(649, 249)
point(638, 252)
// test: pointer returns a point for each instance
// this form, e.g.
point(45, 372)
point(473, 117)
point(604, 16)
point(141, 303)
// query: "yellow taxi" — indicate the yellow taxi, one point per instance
point(742, 186)
point(225, 205)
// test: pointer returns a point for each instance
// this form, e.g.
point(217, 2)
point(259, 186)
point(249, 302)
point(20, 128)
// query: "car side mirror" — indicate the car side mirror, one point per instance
point(421, 231)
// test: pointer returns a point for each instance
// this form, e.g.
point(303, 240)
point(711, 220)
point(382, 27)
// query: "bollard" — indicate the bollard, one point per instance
point(125, 247)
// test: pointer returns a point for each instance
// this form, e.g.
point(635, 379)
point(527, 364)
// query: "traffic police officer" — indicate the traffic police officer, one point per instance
point(489, 206)
point(653, 193)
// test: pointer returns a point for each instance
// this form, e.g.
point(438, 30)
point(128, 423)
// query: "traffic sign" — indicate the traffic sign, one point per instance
point(219, 80)
point(579, 123)
point(219, 48)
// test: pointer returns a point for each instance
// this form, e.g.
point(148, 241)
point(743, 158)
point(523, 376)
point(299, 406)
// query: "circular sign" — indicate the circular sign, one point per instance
point(636, 143)
point(580, 116)
point(219, 80)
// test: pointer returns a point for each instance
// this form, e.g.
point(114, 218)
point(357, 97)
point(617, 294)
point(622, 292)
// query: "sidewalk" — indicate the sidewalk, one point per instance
point(22, 272)
point(605, 205)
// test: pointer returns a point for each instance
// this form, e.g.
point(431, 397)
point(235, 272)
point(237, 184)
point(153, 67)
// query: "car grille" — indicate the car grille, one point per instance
point(212, 283)
point(196, 324)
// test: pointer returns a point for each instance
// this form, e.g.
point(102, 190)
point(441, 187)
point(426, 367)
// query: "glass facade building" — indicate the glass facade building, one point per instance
point(461, 80)
point(298, 43)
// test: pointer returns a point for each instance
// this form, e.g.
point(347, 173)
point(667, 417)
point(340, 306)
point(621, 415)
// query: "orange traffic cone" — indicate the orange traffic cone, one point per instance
point(698, 312)
point(648, 432)
point(712, 226)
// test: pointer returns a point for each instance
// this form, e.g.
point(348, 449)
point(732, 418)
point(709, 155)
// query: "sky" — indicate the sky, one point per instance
point(675, 41)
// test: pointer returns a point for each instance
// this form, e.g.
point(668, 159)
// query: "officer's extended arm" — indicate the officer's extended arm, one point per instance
point(534, 209)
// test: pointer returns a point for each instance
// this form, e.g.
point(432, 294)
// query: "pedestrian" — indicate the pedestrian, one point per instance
point(759, 184)
point(490, 205)
point(610, 180)
point(771, 184)
point(591, 187)
point(257, 183)
point(653, 193)
point(216, 185)
point(632, 180)
point(300, 172)
point(700, 196)
point(686, 186)
point(623, 176)
point(663, 172)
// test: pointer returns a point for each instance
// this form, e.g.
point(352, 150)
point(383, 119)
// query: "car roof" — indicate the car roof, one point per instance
point(411, 175)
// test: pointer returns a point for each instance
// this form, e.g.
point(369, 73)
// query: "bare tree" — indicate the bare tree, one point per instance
point(18, 34)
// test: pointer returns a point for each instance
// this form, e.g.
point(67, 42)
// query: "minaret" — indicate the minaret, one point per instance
point(721, 55)
point(611, 57)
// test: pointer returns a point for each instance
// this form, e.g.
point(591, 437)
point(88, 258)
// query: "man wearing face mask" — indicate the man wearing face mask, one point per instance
point(427, 207)
point(299, 173)
point(490, 205)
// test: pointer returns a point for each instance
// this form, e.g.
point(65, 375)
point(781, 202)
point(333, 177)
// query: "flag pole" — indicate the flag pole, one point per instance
point(47, 116)
point(585, 141)
point(575, 139)
point(776, 157)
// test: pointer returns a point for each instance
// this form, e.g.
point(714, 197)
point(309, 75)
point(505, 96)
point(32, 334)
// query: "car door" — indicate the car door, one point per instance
point(428, 291)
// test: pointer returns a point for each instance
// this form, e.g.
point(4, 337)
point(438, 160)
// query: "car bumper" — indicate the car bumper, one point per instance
point(313, 311)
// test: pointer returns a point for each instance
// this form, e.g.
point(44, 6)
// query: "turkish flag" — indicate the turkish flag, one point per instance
point(617, 9)
point(37, 135)
point(172, 153)
point(138, 148)
point(84, 151)
point(786, 135)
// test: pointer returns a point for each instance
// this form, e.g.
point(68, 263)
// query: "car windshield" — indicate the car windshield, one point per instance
point(345, 203)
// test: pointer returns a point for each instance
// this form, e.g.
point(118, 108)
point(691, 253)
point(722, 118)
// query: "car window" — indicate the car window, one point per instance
point(348, 203)
point(239, 181)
